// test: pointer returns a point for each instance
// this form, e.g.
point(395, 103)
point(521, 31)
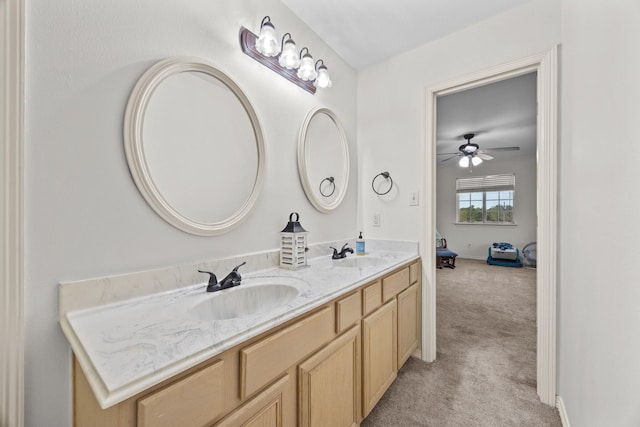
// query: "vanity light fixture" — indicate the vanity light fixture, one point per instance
point(307, 70)
point(282, 57)
point(323, 80)
point(289, 57)
point(267, 42)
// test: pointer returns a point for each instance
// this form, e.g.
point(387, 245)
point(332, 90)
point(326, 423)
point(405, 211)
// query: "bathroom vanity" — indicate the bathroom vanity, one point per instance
point(325, 357)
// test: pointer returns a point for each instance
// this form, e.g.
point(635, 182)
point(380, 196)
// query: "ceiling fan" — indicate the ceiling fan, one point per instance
point(471, 154)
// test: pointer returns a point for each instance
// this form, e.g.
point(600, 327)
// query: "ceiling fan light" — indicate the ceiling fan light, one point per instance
point(464, 162)
point(476, 161)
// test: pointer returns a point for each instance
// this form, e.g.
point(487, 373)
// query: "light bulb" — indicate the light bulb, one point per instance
point(307, 71)
point(464, 162)
point(323, 80)
point(476, 161)
point(289, 57)
point(268, 42)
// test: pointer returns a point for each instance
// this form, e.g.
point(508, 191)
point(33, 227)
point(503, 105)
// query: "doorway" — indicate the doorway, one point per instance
point(545, 65)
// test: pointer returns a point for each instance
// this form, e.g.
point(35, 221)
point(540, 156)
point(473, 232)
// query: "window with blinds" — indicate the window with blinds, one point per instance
point(485, 199)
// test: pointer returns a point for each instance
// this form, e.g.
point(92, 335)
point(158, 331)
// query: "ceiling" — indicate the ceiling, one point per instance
point(364, 32)
point(501, 114)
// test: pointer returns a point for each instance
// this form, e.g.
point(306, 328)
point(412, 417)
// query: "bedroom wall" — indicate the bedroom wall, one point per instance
point(391, 105)
point(84, 215)
point(599, 298)
point(471, 241)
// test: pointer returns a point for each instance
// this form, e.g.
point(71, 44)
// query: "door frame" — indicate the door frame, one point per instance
point(546, 66)
point(12, 213)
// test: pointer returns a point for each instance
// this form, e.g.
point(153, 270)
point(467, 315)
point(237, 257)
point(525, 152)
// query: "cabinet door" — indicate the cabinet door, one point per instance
point(266, 409)
point(329, 384)
point(408, 330)
point(379, 357)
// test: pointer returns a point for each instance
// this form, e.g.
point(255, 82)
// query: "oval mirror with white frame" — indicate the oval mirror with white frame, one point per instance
point(323, 159)
point(194, 146)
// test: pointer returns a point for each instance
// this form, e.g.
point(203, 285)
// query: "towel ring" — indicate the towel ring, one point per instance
point(385, 175)
point(331, 181)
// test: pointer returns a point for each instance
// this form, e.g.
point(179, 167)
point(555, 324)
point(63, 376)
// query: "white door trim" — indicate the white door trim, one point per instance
point(12, 214)
point(546, 65)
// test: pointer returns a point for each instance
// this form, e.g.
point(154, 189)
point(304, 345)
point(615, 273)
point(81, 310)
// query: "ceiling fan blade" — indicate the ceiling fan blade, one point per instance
point(485, 156)
point(442, 154)
point(449, 158)
point(501, 149)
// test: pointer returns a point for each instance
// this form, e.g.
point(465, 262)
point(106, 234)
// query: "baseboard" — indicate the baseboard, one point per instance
point(562, 411)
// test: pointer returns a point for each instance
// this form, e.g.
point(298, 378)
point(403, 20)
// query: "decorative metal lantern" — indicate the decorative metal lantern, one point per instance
point(293, 244)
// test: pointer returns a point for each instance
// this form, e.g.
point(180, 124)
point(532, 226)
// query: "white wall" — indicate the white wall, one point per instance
point(472, 241)
point(599, 279)
point(391, 105)
point(84, 215)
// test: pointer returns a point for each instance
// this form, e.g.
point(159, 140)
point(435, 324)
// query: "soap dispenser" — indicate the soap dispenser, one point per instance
point(360, 245)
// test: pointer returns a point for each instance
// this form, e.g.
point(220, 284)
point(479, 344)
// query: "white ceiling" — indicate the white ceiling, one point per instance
point(501, 114)
point(364, 32)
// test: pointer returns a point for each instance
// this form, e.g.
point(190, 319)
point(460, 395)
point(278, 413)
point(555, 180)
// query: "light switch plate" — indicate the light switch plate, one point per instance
point(376, 219)
point(414, 198)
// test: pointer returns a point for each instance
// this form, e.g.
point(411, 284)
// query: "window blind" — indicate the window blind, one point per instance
point(503, 182)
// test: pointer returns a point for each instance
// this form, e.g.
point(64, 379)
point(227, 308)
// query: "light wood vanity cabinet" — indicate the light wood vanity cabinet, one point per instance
point(408, 323)
point(390, 334)
point(328, 367)
point(267, 409)
point(192, 401)
point(379, 363)
point(329, 384)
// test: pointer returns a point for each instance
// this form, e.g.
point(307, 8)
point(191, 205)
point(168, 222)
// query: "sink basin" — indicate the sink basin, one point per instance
point(359, 262)
point(244, 301)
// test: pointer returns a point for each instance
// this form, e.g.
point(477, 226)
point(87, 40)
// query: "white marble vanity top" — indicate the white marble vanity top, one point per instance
point(124, 347)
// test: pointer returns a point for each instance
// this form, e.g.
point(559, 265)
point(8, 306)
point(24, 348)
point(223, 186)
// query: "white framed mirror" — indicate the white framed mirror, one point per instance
point(194, 146)
point(323, 159)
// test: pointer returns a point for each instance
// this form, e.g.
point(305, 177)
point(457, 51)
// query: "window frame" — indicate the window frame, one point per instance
point(483, 185)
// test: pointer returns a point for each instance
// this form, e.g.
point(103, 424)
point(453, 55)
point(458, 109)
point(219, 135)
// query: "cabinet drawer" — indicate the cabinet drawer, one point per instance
point(394, 284)
point(263, 361)
point(415, 272)
point(348, 311)
point(192, 401)
point(371, 297)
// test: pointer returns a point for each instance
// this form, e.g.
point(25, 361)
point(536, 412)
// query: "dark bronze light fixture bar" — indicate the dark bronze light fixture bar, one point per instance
point(248, 45)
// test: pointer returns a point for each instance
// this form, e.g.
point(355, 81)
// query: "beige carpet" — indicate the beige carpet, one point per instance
point(485, 372)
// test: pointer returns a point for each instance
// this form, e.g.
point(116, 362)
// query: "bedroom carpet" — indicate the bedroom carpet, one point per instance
point(485, 371)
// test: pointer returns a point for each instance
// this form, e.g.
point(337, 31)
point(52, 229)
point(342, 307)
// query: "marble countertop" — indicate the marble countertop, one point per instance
point(127, 346)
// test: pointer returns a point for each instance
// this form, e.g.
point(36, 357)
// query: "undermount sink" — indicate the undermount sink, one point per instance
point(242, 301)
point(359, 262)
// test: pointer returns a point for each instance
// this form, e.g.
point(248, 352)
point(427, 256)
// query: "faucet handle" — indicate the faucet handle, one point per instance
point(238, 266)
